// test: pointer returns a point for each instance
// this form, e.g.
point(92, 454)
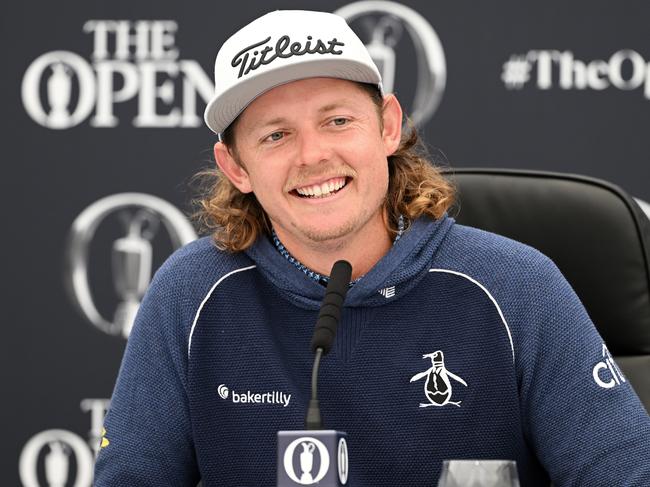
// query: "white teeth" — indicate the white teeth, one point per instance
point(322, 190)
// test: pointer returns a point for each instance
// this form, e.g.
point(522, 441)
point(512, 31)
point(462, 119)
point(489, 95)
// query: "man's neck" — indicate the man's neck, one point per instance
point(362, 249)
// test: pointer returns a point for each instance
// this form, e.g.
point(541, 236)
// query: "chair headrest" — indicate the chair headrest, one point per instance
point(594, 232)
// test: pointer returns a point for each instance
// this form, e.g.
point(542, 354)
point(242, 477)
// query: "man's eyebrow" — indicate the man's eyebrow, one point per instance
point(283, 120)
point(333, 106)
point(265, 123)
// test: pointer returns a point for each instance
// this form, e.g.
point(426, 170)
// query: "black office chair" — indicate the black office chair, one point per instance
point(596, 234)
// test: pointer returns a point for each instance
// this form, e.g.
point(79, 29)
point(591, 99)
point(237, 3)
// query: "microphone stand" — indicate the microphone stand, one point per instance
point(327, 447)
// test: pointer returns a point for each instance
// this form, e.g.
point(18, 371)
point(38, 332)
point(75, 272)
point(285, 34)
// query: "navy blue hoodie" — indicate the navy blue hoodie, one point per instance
point(458, 344)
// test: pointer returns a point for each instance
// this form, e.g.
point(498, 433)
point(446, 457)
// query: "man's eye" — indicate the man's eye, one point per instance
point(275, 136)
point(340, 121)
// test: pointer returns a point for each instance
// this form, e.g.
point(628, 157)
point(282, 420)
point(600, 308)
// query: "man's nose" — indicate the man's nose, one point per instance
point(313, 147)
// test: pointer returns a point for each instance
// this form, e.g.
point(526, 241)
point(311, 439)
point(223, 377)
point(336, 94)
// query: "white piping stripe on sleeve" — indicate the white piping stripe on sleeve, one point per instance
point(512, 347)
point(207, 296)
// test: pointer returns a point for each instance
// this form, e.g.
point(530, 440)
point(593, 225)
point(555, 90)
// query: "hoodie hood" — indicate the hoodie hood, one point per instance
point(399, 270)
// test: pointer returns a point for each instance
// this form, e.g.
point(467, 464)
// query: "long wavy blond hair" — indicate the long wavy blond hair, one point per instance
point(415, 188)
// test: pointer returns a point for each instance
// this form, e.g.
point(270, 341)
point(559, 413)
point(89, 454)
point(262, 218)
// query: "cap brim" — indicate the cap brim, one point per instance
point(223, 109)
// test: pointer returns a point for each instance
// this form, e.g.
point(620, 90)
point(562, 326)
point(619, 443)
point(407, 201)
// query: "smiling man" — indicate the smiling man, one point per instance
point(454, 343)
point(313, 153)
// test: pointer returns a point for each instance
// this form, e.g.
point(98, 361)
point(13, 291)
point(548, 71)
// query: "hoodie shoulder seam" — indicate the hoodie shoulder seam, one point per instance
point(489, 295)
point(205, 299)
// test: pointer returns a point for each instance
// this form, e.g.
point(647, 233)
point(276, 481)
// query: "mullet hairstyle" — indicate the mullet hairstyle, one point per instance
point(415, 188)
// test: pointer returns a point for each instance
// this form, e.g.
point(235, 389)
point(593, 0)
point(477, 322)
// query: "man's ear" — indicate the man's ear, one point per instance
point(231, 168)
point(392, 118)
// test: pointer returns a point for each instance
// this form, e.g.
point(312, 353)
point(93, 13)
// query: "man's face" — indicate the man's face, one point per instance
point(314, 153)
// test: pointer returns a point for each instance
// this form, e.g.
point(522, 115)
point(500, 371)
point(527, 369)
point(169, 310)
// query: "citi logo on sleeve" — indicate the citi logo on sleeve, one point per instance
point(248, 397)
point(437, 387)
point(606, 373)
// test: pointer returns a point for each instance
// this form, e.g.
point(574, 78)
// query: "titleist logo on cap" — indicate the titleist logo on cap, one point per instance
point(250, 58)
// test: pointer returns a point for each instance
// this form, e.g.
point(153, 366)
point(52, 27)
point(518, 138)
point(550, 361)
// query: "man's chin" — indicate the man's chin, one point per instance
point(329, 234)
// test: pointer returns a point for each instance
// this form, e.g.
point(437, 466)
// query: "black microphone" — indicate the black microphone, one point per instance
point(330, 310)
point(317, 456)
point(326, 324)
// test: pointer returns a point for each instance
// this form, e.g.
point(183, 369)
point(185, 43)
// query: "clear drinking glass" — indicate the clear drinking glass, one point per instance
point(478, 473)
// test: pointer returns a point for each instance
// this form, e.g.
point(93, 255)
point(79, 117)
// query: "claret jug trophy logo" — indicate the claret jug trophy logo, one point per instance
point(58, 457)
point(306, 460)
point(437, 387)
point(133, 62)
point(389, 29)
point(59, 449)
point(142, 217)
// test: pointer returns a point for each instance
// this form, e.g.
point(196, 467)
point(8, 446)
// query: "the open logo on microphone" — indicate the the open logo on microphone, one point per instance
point(306, 460)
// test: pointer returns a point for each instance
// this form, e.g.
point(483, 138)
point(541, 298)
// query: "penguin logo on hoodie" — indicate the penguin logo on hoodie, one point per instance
point(437, 387)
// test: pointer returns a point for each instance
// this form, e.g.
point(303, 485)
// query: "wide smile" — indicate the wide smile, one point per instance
point(323, 190)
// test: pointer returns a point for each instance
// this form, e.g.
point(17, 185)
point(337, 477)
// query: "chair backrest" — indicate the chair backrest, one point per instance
point(595, 233)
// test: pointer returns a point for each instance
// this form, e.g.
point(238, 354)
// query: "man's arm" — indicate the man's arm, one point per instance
point(148, 438)
point(583, 418)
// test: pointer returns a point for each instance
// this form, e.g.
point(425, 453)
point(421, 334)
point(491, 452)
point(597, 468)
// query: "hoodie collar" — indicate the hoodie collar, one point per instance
point(400, 268)
point(321, 279)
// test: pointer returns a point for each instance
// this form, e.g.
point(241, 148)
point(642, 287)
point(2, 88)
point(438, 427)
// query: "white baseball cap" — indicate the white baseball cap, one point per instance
point(280, 47)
